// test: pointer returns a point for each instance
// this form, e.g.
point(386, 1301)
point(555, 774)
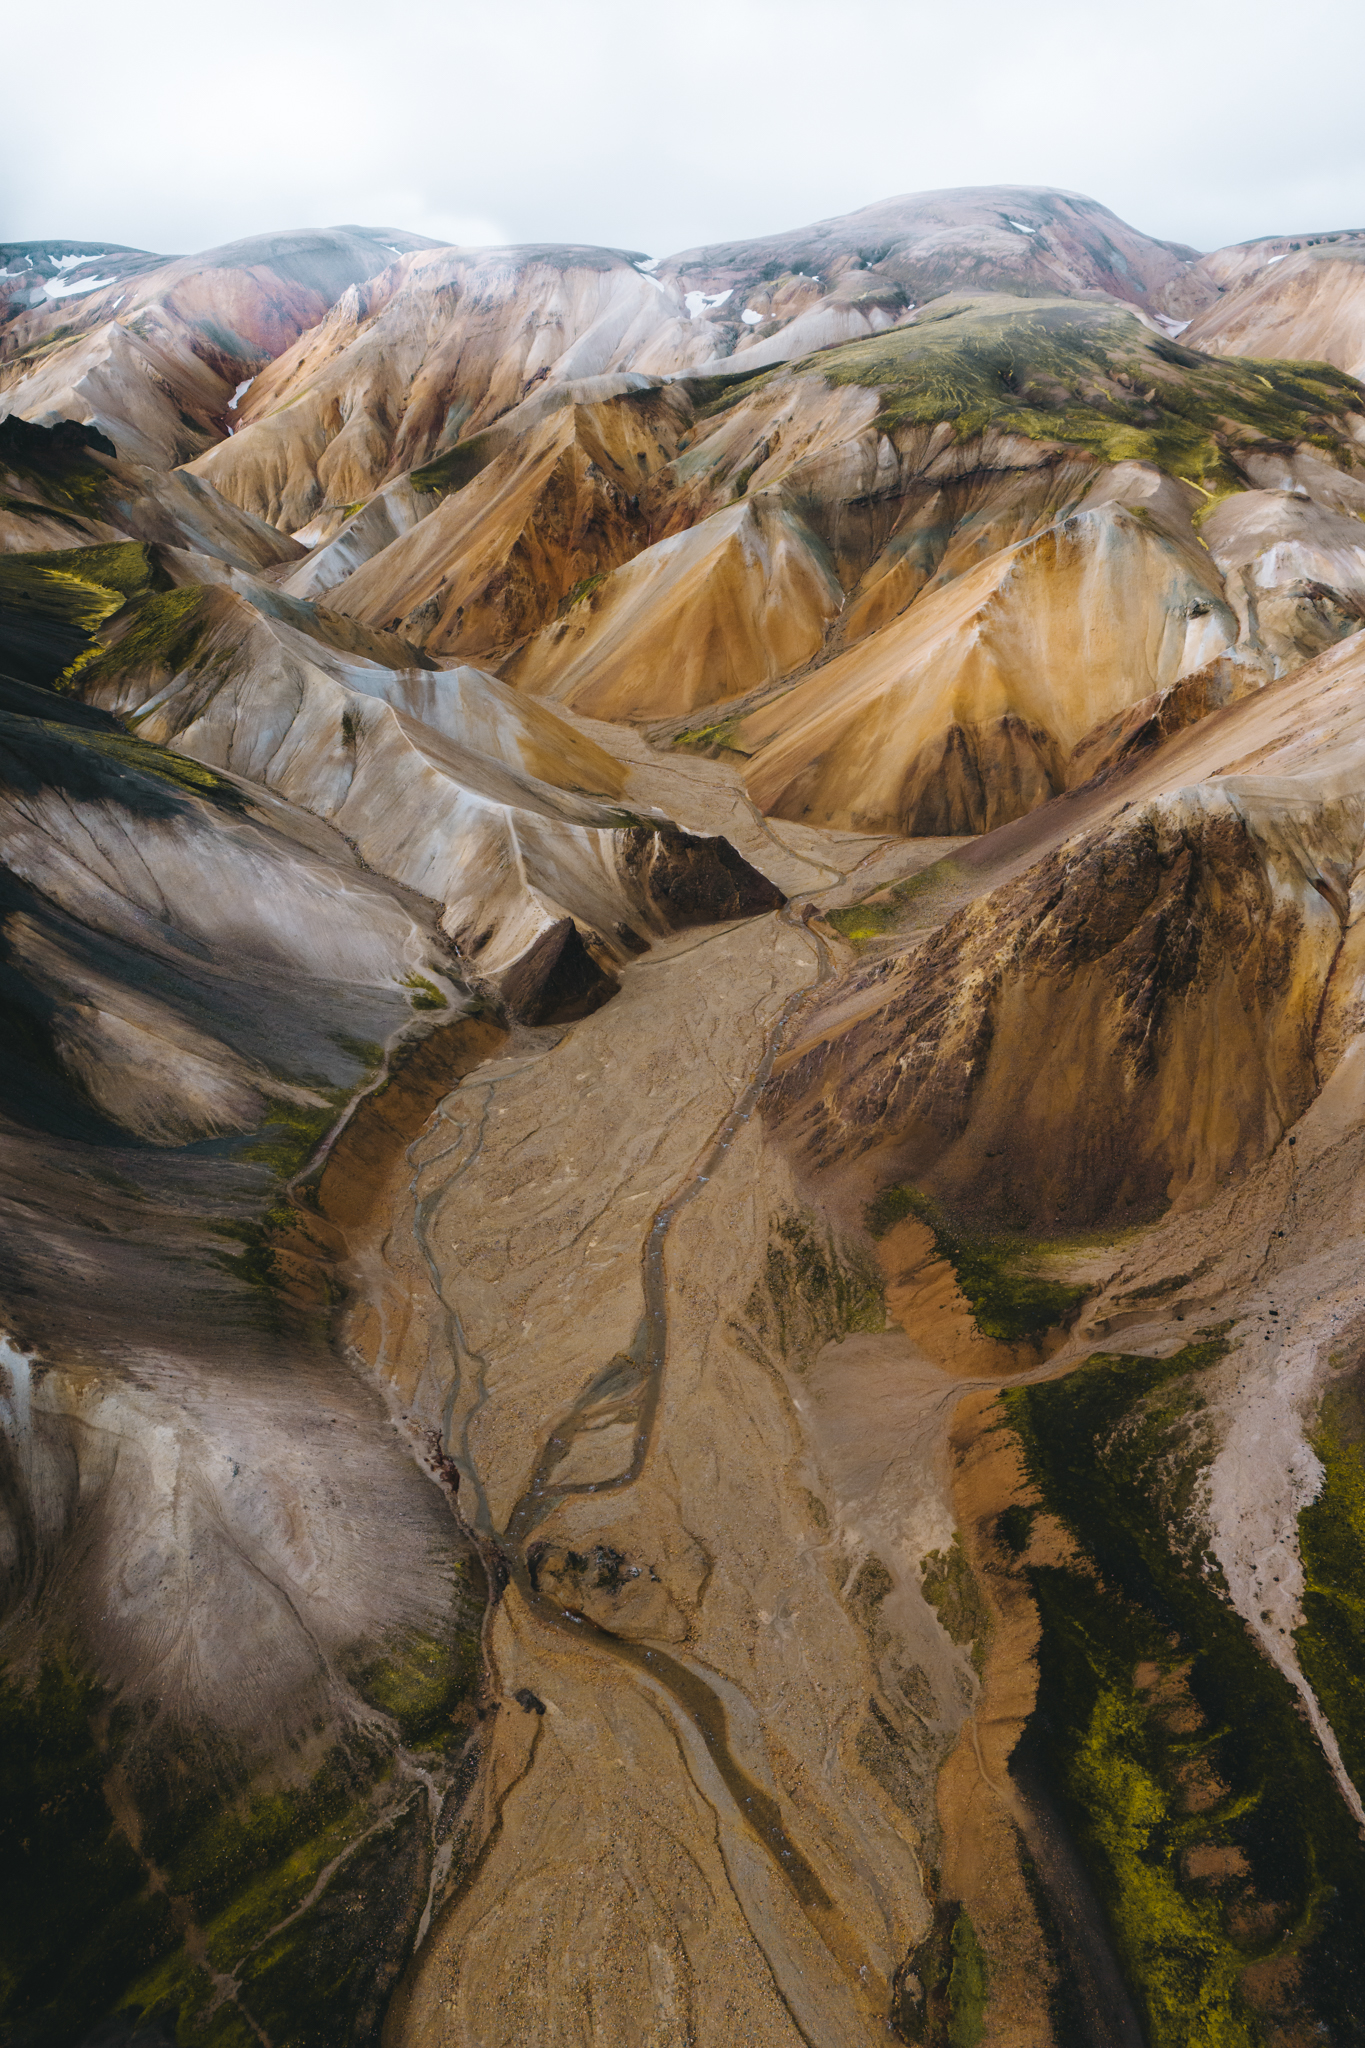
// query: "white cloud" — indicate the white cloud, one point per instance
point(570, 120)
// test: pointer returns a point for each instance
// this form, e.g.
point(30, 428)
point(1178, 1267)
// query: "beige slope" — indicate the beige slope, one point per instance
point(1293, 569)
point(447, 782)
point(156, 358)
point(721, 608)
point(492, 563)
point(961, 713)
point(435, 349)
point(1302, 302)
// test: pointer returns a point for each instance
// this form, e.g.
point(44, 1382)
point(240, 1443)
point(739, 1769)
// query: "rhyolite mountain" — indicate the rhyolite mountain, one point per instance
point(682, 1133)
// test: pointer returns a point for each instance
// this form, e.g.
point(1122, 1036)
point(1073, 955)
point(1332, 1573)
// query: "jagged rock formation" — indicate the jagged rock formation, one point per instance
point(681, 1139)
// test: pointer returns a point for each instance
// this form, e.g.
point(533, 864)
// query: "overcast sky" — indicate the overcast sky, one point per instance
point(173, 127)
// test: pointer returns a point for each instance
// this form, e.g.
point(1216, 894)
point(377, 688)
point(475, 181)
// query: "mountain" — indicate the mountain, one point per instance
point(681, 1138)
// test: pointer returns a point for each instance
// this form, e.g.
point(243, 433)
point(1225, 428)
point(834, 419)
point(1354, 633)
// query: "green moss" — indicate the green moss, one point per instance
point(581, 593)
point(1116, 1451)
point(942, 1993)
point(706, 738)
point(322, 1982)
point(1094, 378)
point(1091, 377)
point(427, 1683)
point(295, 1131)
point(459, 466)
point(1008, 1302)
point(968, 1986)
point(177, 769)
point(1331, 1641)
point(426, 995)
point(163, 633)
point(862, 922)
point(950, 1587)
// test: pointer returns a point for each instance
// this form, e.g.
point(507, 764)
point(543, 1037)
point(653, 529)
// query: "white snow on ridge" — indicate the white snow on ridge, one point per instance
point(69, 262)
point(75, 290)
point(750, 318)
point(647, 263)
point(698, 303)
point(1022, 226)
point(1276, 259)
point(1169, 327)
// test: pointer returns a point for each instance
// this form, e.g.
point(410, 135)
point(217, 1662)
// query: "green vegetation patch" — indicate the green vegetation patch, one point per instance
point(813, 1291)
point(163, 633)
point(1212, 1828)
point(950, 1587)
point(580, 593)
point(860, 923)
point(1331, 1642)
point(458, 466)
point(942, 1993)
point(1096, 378)
point(426, 1683)
point(425, 994)
point(1008, 1302)
point(710, 739)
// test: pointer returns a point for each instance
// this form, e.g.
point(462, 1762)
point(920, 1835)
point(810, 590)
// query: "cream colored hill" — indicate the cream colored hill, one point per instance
point(892, 483)
point(556, 509)
point(446, 782)
point(157, 359)
point(435, 349)
point(1305, 299)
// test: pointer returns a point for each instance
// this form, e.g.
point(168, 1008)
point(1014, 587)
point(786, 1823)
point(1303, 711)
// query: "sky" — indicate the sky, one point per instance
point(166, 126)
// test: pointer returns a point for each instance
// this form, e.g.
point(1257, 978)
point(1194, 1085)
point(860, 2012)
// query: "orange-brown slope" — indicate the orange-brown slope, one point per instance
point(1141, 992)
point(559, 506)
point(964, 711)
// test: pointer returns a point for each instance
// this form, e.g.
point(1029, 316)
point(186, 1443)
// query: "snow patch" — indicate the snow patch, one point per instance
point(698, 303)
point(69, 262)
point(1022, 226)
point(1168, 326)
point(76, 289)
point(237, 396)
point(647, 263)
point(750, 318)
point(1275, 259)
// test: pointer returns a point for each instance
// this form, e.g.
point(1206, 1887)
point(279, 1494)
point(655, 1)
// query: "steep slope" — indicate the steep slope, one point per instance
point(430, 352)
point(553, 503)
point(1303, 298)
point(980, 538)
point(156, 353)
point(446, 782)
point(62, 487)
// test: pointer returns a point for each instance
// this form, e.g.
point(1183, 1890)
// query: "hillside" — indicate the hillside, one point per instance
point(681, 1139)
